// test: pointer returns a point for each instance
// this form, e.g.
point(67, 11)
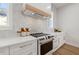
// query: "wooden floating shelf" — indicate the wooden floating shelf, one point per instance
point(35, 10)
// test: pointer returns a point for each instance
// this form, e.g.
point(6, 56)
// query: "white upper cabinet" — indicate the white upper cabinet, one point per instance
point(5, 16)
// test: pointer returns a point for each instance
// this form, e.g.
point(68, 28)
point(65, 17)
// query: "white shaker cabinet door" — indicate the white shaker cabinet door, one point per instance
point(4, 51)
point(26, 48)
point(21, 49)
point(55, 43)
point(58, 40)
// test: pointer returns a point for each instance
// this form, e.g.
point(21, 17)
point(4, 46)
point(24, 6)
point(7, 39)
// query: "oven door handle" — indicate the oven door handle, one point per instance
point(45, 41)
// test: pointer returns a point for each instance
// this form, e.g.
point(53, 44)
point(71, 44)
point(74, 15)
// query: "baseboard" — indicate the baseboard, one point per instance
point(72, 42)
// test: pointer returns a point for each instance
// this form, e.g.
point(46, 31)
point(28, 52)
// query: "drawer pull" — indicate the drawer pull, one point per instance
point(25, 46)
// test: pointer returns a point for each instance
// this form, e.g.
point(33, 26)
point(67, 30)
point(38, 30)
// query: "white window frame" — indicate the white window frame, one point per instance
point(9, 18)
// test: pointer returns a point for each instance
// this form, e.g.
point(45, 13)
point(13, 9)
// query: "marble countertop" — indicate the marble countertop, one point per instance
point(4, 42)
point(15, 40)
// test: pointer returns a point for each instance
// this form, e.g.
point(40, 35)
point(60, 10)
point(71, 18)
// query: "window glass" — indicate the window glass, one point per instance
point(3, 14)
point(50, 23)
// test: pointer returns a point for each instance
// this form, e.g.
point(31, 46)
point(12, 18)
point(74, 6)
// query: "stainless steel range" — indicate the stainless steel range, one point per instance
point(38, 34)
point(45, 42)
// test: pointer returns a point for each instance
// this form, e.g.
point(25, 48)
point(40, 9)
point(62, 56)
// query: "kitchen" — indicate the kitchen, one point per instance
point(14, 37)
point(29, 29)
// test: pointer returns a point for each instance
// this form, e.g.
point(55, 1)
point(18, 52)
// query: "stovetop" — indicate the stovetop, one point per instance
point(38, 34)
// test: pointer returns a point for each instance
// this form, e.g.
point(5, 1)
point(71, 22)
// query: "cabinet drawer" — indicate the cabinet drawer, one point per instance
point(4, 51)
point(21, 48)
point(21, 52)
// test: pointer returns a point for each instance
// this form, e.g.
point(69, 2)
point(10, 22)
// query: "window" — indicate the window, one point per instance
point(4, 15)
point(50, 23)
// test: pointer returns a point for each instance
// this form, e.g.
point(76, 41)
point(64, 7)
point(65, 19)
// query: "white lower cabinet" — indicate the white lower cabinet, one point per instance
point(58, 41)
point(55, 43)
point(4, 51)
point(26, 48)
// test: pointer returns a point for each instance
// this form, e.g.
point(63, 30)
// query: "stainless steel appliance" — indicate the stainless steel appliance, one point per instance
point(45, 42)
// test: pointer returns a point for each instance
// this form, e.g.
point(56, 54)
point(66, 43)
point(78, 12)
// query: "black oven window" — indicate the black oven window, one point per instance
point(46, 47)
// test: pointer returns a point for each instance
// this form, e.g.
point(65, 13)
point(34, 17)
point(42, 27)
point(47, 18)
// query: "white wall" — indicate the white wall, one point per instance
point(36, 25)
point(68, 18)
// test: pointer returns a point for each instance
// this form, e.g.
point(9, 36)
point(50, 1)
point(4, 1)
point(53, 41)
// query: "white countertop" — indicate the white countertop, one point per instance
point(4, 42)
point(11, 41)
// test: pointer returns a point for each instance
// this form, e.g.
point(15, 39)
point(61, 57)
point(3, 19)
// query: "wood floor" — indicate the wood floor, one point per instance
point(67, 50)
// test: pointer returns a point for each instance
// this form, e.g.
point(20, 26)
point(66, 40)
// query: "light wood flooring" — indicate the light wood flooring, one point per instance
point(67, 50)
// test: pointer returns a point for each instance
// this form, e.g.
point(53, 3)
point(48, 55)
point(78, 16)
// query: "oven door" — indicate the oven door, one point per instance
point(46, 47)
